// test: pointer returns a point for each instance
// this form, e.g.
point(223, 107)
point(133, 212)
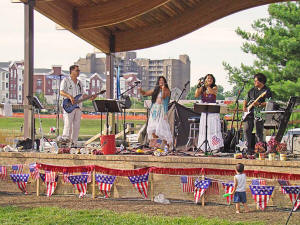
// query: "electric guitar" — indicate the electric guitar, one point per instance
point(69, 107)
point(249, 108)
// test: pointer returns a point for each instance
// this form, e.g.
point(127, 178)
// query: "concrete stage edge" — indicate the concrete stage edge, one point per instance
point(169, 185)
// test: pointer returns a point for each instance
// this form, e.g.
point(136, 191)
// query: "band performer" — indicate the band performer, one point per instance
point(207, 90)
point(255, 117)
point(70, 87)
point(158, 126)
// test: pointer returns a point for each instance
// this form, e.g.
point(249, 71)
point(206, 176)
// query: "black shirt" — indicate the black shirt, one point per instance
point(254, 93)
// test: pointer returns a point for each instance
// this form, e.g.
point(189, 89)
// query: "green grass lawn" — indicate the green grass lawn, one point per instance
point(50, 215)
point(88, 127)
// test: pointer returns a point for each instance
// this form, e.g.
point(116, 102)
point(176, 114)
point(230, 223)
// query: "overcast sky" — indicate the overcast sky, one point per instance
point(207, 47)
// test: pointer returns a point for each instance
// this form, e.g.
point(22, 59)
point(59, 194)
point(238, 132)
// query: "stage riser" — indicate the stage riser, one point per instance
point(169, 185)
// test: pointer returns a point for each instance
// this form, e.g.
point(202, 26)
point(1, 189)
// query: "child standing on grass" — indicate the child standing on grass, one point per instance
point(239, 189)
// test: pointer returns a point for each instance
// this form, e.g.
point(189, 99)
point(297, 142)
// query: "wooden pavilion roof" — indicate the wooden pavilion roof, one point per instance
point(124, 25)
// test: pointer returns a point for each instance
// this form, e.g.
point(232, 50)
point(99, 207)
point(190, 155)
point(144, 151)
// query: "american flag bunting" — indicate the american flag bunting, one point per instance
point(50, 179)
point(293, 191)
point(3, 172)
point(79, 182)
point(21, 181)
point(228, 187)
point(261, 195)
point(200, 187)
point(105, 183)
point(187, 184)
point(283, 183)
point(140, 182)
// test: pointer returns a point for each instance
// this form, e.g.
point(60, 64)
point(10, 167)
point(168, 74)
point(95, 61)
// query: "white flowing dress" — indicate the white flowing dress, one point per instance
point(214, 133)
point(158, 120)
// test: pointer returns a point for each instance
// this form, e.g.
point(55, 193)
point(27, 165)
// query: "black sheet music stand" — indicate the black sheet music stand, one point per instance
point(107, 106)
point(206, 108)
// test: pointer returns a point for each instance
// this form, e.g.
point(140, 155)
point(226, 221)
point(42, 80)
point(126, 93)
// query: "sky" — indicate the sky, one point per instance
point(207, 47)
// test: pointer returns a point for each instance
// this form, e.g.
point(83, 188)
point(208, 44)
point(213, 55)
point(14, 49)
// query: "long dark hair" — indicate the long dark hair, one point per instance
point(157, 88)
point(213, 83)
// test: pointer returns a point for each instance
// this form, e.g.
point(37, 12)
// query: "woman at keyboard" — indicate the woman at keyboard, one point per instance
point(207, 91)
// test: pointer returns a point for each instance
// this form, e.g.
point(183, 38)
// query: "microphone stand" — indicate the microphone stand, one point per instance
point(184, 89)
point(237, 115)
point(57, 105)
point(124, 112)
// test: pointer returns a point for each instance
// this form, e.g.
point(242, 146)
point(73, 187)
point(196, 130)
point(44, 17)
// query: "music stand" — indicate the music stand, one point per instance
point(36, 104)
point(206, 108)
point(107, 106)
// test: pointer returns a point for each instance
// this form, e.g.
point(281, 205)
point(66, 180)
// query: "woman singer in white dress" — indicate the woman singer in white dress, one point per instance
point(208, 92)
point(158, 126)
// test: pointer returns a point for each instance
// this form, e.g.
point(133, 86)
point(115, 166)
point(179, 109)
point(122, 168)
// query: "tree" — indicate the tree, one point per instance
point(276, 45)
point(191, 94)
point(42, 98)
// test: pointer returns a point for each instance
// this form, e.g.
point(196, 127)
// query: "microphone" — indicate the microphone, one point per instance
point(186, 84)
point(137, 82)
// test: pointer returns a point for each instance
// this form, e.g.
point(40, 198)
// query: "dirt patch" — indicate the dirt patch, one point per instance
point(175, 209)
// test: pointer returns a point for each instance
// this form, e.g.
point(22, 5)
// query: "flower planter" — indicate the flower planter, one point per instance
point(261, 156)
point(282, 156)
point(272, 156)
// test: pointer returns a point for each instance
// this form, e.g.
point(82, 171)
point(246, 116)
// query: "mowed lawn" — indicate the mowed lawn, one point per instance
point(88, 127)
point(51, 215)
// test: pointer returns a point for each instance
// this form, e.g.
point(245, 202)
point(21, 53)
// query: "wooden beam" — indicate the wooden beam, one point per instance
point(191, 20)
point(64, 14)
point(113, 12)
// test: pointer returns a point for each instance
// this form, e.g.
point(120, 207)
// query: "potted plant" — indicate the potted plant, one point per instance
point(282, 150)
point(272, 148)
point(260, 149)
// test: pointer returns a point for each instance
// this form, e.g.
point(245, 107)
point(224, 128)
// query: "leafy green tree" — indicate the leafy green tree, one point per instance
point(276, 44)
point(191, 94)
point(42, 98)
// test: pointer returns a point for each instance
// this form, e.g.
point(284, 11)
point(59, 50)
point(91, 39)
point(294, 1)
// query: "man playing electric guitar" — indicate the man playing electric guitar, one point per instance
point(71, 87)
point(258, 95)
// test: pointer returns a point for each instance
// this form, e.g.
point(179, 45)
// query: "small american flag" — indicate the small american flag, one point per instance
point(215, 140)
point(65, 177)
point(50, 179)
point(283, 183)
point(213, 187)
point(17, 169)
point(258, 182)
point(293, 191)
point(261, 195)
point(80, 182)
point(21, 180)
point(89, 180)
point(200, 188)
point(140, 183)
point(34, 172)
point(3, 172)
point(228, 187)
point(187, 184)
point(105, 183)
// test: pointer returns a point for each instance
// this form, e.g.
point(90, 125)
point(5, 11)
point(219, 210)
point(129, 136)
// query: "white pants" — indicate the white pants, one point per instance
point(72, 125)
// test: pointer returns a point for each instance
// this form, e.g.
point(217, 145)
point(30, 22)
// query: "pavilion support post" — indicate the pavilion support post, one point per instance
point(28, 67)
point(110, 79)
